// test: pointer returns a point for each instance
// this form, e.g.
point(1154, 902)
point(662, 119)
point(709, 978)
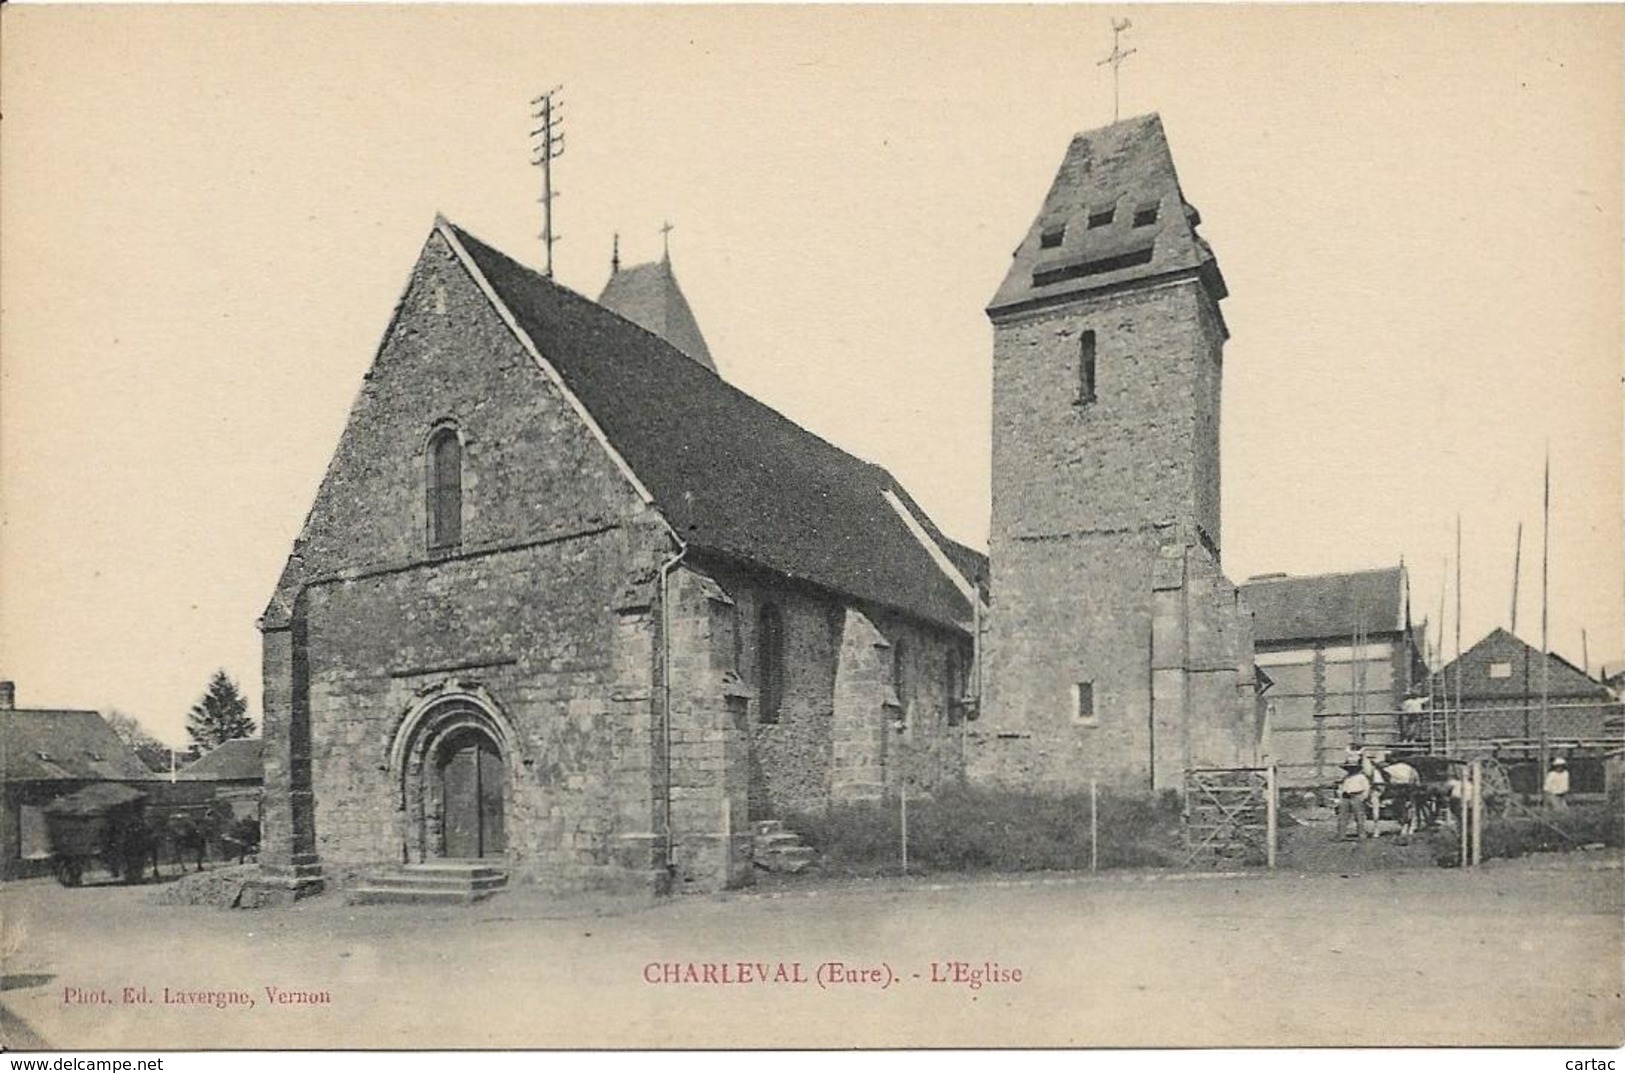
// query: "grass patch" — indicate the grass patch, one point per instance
point(1544, 831)
point(966, 829)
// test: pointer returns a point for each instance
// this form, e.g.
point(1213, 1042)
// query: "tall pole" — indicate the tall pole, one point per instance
point(1458, 628)
point(1517, 558)
point(1545, 651)
point(548, 147)
point(1438, 658)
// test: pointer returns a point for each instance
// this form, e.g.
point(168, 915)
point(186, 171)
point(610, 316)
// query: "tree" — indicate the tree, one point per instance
point(152, 752)
point(221, 716)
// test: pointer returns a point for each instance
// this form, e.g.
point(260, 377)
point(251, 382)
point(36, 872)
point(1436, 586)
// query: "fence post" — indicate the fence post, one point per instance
point(902, 811)
point(1477, 838)
point(1270, 820)
point(1094, 828)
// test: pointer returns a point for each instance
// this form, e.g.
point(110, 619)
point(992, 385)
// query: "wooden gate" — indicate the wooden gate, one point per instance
point(1230, 816)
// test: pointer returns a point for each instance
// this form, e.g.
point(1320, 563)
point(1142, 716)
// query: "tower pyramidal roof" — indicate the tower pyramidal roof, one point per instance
point(648, 296)
point(1114, 215)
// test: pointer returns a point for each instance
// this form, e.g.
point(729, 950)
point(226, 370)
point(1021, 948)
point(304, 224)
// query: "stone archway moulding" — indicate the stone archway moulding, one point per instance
point(434, 714)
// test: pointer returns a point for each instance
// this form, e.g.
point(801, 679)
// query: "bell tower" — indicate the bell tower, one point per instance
point(1105, 538)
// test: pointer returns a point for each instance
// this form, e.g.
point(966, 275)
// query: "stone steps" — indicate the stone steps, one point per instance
point(443, 882)
point(775, 849)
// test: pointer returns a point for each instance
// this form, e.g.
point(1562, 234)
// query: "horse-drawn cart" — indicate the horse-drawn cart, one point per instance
point(104, 823)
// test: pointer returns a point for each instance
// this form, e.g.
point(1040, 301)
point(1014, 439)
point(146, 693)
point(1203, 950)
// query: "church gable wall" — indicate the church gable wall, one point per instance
point(531, 468)
point(531, 604)
point(535, 630)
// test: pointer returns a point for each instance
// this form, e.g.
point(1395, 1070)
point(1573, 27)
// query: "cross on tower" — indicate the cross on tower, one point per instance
point(665, 239)
point(1116, 60)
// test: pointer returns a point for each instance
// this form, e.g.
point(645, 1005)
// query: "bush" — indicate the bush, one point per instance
point(1543, 831)
point(964, 829)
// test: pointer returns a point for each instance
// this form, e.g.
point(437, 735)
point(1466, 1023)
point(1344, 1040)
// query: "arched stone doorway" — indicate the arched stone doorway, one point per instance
point(454, 756)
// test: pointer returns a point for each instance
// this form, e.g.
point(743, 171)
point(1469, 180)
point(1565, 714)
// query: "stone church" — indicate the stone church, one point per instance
point(568, 602)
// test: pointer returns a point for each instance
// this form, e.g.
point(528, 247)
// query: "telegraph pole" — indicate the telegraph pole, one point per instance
point(1116, 60)
point(1545, 646)
point(547, 146)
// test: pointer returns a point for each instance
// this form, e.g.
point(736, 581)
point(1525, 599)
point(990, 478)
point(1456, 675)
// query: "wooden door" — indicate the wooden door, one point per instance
point(472, 785)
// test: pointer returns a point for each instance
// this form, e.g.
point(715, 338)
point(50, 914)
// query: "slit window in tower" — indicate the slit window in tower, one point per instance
point(1086, 368)
point(1083, 704)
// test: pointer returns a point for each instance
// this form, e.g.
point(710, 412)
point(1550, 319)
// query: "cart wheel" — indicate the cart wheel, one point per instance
point(68, 872)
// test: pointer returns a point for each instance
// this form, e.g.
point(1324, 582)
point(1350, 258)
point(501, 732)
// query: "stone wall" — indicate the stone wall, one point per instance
point(1105, 580)
point(544, 608)
point(837, 735)
point(710, 740)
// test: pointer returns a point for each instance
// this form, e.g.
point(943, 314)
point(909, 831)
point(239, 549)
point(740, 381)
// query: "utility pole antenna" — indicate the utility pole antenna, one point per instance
point(547, 145)
point(1517, 557)
point(1116, 60)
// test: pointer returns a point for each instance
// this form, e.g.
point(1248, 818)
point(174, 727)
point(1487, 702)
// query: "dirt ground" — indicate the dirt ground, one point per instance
point(1515, 953)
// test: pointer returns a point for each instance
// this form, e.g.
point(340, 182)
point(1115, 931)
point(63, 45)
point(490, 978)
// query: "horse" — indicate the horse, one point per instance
point(1402, 783)
point(188, 832)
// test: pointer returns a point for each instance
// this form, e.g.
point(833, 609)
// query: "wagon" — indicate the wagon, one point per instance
point(1422, 804)
point(105, 823)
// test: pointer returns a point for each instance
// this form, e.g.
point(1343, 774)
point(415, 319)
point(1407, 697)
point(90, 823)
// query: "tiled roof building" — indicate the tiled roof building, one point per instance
point(1343, 656)
point(44, 754)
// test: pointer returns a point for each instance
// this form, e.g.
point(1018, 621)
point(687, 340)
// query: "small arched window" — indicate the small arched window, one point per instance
point(769, 663)
point(445, 489)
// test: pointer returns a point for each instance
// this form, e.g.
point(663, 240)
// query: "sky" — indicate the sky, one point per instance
point(207, 215)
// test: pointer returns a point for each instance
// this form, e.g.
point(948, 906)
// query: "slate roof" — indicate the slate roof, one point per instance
point(50, 746)
point(95, 798)
point(730, 474)
point(240, 760)
point(1326, 606)
point(1124, 168)
point(1566, 681)
point(648, 295)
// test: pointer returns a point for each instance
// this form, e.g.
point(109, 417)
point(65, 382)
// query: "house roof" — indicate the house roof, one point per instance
point(1325, 606)
point(95, 798)
point(39, 745)
point(237, 760)
point(729, 474)
point(1085, 237)
point(1562, 678)
point(648, 296)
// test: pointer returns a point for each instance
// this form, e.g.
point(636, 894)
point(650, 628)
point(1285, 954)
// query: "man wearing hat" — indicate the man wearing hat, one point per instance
point(1351, 797)
point(1556, 787)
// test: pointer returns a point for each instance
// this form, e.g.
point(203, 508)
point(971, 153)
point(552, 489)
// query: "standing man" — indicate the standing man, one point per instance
point(1351, 795)
point(1557, 785)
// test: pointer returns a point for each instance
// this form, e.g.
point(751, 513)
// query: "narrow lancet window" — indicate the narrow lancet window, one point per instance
point(445, 489)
